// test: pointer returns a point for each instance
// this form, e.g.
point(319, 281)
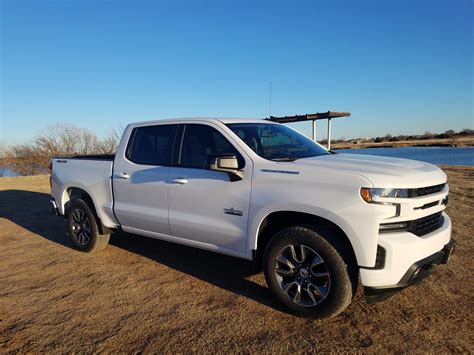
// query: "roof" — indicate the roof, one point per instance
point(203, 119)
point(242, 120)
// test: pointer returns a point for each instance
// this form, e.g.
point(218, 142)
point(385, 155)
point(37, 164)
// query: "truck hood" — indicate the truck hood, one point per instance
point(381, 171)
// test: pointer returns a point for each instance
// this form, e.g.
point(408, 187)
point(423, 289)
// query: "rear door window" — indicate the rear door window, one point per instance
point(152, 145)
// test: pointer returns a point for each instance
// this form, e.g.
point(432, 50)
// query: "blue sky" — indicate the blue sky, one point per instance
point(398, 66)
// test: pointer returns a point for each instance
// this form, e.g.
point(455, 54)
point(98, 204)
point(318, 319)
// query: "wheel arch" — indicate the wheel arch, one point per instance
point(72, 193)
point(275, 221)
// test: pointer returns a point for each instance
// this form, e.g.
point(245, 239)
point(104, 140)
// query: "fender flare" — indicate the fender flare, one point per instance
point(265, 211)
point(65, 197)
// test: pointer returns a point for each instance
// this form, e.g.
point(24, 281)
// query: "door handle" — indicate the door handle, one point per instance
point(180, 181)
point(123, 176)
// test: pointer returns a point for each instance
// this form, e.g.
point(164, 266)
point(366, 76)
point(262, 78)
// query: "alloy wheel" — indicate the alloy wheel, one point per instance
point(302, 275)
point(81, 227)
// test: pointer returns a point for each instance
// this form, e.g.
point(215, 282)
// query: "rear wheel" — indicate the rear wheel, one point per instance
point(306, 273)
point(83, 228)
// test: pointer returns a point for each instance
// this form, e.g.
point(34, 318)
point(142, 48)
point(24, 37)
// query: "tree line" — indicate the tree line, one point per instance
point(449, 134)
point(33, 157)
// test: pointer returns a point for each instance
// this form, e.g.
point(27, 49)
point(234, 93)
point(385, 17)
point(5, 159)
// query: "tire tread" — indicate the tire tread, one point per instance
point(341, 294)
point(97, 241)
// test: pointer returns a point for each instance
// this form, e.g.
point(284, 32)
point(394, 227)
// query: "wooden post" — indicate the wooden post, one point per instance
point(329, 133)
point(314, 130)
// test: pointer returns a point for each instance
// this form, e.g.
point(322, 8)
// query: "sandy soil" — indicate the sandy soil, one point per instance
point(146, 295)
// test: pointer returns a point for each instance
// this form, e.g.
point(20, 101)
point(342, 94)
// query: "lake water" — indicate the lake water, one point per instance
point(433, 155)
point(6, 172)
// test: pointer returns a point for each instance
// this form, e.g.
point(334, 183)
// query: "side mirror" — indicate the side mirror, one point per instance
point(228, 164)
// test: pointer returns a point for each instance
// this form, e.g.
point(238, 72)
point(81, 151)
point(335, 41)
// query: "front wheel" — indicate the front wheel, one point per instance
point(306, 273)
point(83, 229)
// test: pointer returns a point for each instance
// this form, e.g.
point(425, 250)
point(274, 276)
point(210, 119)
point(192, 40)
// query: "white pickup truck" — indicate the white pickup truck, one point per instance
point(254, 189)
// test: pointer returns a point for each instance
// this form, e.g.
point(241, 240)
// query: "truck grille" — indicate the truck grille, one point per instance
point(423, 191)
point(419, 227)
point(425, 225)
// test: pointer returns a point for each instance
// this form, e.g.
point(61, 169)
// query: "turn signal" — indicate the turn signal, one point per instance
point(366, 195)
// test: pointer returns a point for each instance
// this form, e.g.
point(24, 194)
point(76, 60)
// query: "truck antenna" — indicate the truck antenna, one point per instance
point(270, 99)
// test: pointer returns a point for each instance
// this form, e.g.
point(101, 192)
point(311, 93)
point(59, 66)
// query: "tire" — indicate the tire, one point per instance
point(307, 273)
point(83, 229)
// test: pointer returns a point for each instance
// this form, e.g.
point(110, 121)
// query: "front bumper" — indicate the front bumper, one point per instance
point(402, 250)
point(417, 272)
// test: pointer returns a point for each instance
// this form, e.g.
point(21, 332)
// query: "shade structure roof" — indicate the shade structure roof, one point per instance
point(309, 117)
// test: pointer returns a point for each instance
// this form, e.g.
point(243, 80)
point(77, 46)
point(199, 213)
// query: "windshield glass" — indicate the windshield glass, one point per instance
point(276, 142)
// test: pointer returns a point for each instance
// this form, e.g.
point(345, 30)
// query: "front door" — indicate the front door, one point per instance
point(204, 205)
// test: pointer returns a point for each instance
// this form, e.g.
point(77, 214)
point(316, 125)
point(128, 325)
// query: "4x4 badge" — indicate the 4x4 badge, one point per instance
point(233, 211)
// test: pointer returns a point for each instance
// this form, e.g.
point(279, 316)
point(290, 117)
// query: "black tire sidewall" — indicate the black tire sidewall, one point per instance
point(94, 238)
point(340, 293)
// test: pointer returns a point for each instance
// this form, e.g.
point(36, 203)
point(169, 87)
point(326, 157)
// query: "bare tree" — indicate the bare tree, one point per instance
point(450, 133)
point(111, 140)
point(427, 135)
point(2, 159)
point(2, 149)
point(24, 160)
point(58, 140)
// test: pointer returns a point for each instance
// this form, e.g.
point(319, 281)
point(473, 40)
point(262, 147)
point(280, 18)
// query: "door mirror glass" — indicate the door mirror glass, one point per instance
point(228, 164)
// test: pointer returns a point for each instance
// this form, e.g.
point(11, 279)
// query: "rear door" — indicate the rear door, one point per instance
point(204, 205)
point(140, 179)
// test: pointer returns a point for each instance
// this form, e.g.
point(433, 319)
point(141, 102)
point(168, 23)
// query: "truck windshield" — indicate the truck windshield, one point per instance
point(276, 142)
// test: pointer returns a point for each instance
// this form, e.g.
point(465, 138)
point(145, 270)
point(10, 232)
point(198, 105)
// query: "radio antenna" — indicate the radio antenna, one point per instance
point(270, 101)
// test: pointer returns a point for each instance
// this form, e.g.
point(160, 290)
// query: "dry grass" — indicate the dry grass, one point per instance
point(146, 295)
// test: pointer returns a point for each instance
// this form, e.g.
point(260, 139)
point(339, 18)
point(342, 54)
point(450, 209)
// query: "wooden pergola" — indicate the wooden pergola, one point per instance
point(313, 117)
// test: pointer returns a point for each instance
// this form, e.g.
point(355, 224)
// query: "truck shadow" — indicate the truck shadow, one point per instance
point(30, 210)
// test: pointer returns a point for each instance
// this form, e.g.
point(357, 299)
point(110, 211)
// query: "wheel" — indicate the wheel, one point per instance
point(307, 274)
point(83, 229)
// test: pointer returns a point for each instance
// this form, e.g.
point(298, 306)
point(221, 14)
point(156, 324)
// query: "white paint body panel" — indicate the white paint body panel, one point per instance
point(141, 201)
point(403, 250)
point(196, 209)
point(150, 204)
point(92, 176)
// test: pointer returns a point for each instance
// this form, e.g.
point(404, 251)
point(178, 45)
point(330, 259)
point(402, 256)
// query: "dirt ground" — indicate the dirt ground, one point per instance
point(142, 294)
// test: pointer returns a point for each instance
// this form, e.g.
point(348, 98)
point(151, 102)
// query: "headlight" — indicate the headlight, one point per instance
point(368, 194)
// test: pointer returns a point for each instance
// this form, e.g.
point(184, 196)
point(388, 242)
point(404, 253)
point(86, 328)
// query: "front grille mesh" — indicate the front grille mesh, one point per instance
point(419, 227)
point(425, 225)
point(423, 191)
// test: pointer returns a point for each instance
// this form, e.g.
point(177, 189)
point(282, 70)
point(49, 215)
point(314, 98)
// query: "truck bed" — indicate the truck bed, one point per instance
point(90, 173)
